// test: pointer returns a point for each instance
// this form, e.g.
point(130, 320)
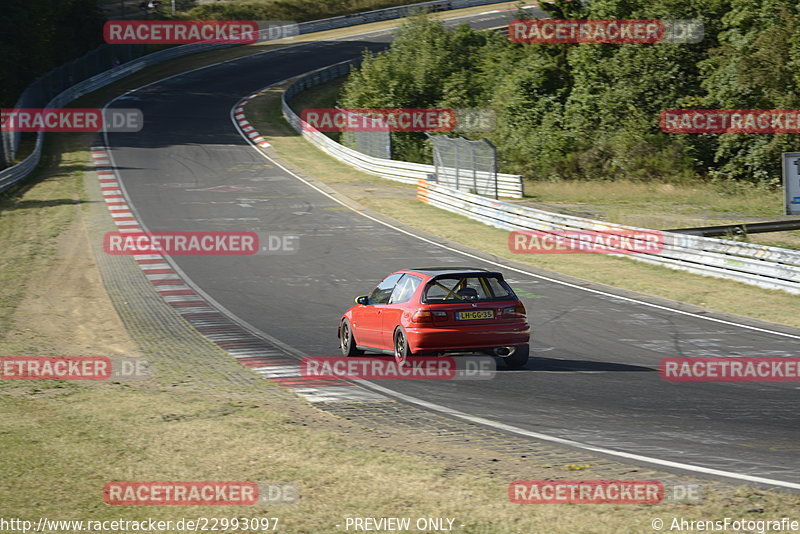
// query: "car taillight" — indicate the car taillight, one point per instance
point(517, 311)
point(427, 316)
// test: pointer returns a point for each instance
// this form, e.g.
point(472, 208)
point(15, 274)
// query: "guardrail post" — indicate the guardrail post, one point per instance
point(457, 164)
point(494, 157)
point(474, 170)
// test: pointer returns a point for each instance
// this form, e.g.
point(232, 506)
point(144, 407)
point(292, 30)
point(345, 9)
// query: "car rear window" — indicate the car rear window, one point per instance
point(467, 288)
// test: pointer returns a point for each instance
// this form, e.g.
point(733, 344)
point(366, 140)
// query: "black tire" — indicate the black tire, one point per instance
point(519, 358)
point(347, 342)
point(401, 352)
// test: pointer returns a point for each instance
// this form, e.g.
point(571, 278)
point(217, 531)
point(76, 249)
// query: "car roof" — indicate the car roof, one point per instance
point(444, 271)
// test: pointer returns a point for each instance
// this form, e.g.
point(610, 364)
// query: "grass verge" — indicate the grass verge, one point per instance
point(667, 206)
point(60, 449)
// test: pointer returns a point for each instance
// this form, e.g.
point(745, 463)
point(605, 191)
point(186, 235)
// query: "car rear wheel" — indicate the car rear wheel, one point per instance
point(401, 352)
point(346, 340)
point(519, 358)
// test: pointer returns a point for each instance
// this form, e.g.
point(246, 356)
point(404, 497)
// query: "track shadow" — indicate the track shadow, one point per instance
point(9, 204)
point(567, 366)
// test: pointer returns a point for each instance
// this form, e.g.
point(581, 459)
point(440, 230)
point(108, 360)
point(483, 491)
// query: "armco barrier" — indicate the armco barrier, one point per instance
point(759, 265)
point(508, 185)
point(12, 175)
point(18, 172)
point(390, 13)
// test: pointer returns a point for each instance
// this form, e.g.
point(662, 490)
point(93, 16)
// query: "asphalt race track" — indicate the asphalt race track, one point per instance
point(593, 377)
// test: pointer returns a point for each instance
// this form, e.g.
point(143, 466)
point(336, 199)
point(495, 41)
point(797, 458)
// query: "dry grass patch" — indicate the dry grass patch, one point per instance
point(61, 450)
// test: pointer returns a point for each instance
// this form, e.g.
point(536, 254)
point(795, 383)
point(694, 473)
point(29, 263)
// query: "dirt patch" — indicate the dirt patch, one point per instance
point(66, 309)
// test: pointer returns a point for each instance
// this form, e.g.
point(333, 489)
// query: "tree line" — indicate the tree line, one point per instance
point(37, 36)
point(591, 111)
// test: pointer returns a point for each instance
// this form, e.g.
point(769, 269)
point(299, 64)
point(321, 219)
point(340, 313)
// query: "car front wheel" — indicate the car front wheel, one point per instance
point(346, 340)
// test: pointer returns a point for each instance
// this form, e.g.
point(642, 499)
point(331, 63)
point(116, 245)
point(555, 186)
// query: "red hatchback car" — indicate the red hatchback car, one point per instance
point(437, 311)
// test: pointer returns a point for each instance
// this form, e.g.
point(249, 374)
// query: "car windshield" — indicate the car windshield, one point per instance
point(470, 288)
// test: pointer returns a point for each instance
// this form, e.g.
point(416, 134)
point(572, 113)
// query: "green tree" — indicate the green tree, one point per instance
point(591, 111)
point(39, 35)
point(754, 67)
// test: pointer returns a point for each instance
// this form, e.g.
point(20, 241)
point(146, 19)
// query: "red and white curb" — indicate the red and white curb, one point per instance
point(250, 350)
point(114, 199)
point(244, 124)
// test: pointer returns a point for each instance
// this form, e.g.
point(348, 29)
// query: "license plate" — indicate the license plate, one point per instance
point(476, 314)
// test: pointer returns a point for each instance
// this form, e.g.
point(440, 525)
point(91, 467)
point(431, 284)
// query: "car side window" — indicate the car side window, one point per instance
point(405, 289)
point(499, 290)
point(381, 294)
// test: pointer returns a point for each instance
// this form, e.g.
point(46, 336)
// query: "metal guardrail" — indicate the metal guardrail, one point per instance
point(13, 175)
point(740, 229)
point(508, 185)
point(49, 85)
point(390, 13)
point(759, 265)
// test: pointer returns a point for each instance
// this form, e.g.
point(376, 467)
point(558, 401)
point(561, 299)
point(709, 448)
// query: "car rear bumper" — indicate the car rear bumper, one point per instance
point(476, 337)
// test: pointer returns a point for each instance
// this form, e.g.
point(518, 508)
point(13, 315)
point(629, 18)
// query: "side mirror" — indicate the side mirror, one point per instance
point(363, 300)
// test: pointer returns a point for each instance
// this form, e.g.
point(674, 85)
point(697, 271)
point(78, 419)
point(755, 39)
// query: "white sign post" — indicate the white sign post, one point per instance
point(791, 182)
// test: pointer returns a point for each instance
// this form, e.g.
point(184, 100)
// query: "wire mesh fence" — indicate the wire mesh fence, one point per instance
point(373, 143)
point(52, 86)
point(43, 89)
point(465, 165)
